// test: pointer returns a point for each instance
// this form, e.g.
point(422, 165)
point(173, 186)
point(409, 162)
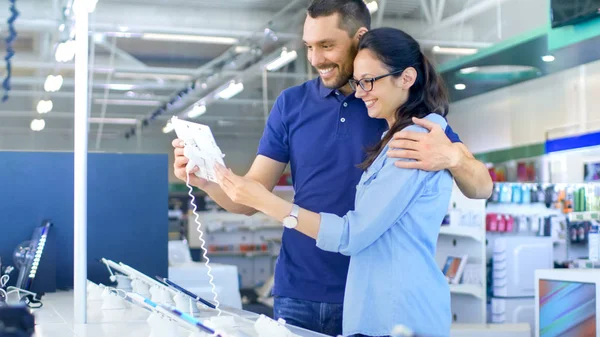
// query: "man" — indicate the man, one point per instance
point(321, 129)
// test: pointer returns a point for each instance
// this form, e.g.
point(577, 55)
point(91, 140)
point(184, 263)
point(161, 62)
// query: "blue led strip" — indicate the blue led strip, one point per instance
point(12, 36)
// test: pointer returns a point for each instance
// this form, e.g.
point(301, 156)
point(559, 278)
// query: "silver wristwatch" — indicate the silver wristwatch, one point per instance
point(291, 221)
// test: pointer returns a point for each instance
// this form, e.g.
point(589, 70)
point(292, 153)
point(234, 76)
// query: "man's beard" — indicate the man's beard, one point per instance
point(339, 81)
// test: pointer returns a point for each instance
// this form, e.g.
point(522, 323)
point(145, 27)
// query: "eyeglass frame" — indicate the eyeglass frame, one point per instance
point(355, 83)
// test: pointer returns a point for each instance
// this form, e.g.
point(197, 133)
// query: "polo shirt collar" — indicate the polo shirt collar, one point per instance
point(323, 90)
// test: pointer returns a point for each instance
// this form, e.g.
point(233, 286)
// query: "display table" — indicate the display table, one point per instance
point(55, 319)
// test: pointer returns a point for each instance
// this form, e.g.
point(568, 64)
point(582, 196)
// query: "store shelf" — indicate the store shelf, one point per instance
point(584, 216)
point(474, 290)
point(463, 231)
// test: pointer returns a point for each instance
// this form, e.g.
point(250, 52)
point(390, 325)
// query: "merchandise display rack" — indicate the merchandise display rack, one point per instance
point(466, 238)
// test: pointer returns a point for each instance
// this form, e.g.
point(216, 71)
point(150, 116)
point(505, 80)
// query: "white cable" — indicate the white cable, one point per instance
point(205, 252)
point(3, 282)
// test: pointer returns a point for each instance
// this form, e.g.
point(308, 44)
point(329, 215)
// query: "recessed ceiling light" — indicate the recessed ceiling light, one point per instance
point(460, 86)
point(548, 58)
point(469, 70)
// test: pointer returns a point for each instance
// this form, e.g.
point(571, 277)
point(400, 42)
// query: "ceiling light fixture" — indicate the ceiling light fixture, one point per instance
point(231, 90)
point(284, 58)
point(65, 51)
point(38, 125)
point(197, 110)
point(453, 50)
point(53, 83)
point(44, 106)
point(189, 38)
point(460, 86)
point(548, 58)
point(372, 6)
point(168, 128)
point(469, 70)
point(130, 102)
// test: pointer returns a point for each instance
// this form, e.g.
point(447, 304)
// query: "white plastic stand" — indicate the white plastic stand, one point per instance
point(95, 291)
point(161, 295)
point(113, 306)
point(141, 288)
point(185, 304)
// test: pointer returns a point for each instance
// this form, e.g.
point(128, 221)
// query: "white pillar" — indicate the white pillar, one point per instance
point(80, 163)
point(582, 99)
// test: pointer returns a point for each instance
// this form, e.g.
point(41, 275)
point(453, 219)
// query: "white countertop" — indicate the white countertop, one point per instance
point(55, 319)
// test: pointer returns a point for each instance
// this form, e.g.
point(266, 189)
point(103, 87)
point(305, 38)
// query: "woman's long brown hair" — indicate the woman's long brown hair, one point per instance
point(398, 51)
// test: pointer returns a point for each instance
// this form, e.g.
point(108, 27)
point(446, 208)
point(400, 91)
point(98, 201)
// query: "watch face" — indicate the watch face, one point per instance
point(290, 222)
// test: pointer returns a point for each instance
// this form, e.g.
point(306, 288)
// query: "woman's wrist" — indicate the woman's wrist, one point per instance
point(273, 206)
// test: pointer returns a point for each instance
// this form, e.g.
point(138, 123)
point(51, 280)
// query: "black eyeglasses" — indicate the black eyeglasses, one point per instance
point(367, 83)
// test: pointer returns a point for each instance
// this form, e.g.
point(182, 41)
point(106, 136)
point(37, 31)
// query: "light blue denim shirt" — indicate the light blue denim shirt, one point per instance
point(391, 237)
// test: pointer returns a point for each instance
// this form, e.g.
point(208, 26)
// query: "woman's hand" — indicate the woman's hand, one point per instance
point(180, 165)
point(240, 190)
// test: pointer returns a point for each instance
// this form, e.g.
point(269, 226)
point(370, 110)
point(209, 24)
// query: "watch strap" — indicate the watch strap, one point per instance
point(295, 211)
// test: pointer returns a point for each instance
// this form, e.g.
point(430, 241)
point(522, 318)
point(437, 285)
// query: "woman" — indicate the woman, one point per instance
point(391, 235)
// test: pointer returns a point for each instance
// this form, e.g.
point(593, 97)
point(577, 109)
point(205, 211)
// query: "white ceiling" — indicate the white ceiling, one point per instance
point(242, 116)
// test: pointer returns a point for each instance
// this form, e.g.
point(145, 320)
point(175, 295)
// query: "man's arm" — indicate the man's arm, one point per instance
point(433, 151)
point(264, 170)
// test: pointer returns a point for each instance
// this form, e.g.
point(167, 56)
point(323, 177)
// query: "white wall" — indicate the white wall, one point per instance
point(522, 114)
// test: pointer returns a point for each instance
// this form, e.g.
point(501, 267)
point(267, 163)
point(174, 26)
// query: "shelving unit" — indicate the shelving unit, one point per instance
point(468, 289)
point(584, 216)
point(474, 233)
point(468, 300)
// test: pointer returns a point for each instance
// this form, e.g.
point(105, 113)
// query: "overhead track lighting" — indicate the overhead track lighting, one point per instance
point(189, 38)
point(453, 50)
point(197, 110)
point(460, 86)
point(38, 125)
point(65, 51)
point(284, 58)
point(168, 128)
point(44, 106)
point(53, 83)
point(372, 6)
point(548, 58)
point(231, 90)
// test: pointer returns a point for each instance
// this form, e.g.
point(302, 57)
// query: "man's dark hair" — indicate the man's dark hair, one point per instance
point(353, 13)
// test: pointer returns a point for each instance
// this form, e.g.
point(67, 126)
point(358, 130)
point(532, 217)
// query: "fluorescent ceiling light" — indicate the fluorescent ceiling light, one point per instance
point(231, 90)
point(189, 38)
point(284, 58)
point(372, 6)
point(121, 87)
point(53, 83)
point(242, 49)
point(548, 58)
point(168, 128)
point(89, 4)
point(453, 51)
point(460, 86)
point(120, 121)
point(197, 110)
point(131, 102)
point(65, 51)
point(139, 76)
point(38, 125)
point(44, 106)
point(469, 70)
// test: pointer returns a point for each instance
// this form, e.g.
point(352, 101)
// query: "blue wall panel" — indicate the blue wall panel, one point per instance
point(127, 209)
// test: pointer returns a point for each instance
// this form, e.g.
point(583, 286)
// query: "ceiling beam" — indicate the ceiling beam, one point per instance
point(464, 15)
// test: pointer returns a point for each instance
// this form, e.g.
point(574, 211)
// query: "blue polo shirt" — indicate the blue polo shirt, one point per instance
point(323, 135)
